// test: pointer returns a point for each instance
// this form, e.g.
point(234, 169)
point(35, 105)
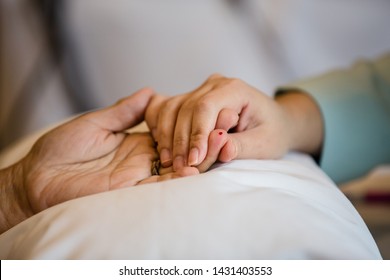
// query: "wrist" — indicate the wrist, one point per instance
point(15, 206)
point(305, 127)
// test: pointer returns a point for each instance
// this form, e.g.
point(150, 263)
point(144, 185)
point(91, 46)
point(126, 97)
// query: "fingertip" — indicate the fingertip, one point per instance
point(217, 139)
point(193, 157)
point(228, 151)
point(178, 163)
point(138, 100)
point(125, 113)
point(198, 149)
point(148, 91)
point(187, 171)
point(227, 119)
point(166, 157)
point(143, 95)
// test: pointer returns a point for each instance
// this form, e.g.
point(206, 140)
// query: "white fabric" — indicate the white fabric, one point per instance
point(248, 209)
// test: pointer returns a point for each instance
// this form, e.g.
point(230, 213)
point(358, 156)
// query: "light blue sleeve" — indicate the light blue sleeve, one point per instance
point(355, 104)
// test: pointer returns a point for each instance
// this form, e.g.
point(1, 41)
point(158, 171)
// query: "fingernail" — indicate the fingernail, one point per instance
point(165, 157)
point(178, 163)
point(193, 157)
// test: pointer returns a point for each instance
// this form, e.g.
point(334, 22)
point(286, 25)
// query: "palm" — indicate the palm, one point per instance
point(88, 155)
point(92, 154)
point(92, 160)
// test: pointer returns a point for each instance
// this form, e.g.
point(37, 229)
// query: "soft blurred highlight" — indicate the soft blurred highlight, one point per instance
point(58, 58)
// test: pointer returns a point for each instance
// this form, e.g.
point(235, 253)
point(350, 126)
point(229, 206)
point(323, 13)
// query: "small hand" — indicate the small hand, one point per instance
point(182, 124)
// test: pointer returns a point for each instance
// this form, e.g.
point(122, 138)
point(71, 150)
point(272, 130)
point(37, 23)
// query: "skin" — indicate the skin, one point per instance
point(88, 155)
point(260, 127)
point(223, 119)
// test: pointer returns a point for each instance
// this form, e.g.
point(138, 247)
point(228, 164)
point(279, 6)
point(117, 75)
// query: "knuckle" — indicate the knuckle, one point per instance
point(214, 76)
point(197, 137)
point(204, 104)
point(167, 105)
point(171, 103)
point(186, 108)
point(155, 99)
point(234, 82)
point(180, 141)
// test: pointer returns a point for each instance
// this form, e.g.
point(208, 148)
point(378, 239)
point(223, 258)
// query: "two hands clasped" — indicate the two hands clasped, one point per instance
point(222, 120)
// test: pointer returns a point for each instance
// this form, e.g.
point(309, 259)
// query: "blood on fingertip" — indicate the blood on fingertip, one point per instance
point(220, 133)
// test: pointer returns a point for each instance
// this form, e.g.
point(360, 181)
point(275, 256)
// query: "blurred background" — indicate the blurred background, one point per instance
point(62, 57)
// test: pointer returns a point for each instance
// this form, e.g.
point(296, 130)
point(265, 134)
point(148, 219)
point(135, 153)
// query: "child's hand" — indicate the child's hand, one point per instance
point(263, 127)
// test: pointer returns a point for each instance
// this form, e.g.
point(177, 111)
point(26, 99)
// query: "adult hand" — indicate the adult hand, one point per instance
point(261, 127)
point(87, 155)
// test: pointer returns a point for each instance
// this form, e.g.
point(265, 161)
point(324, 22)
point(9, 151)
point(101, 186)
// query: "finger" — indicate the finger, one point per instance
point(217, 140)
point(184, 172)
point(229, 151)
point(181, 154)
point(167, 119)
point(181, 137)
point(125, 114)
point(256, 143)
point(227, 119)
point(152, 113)
point(204, 120)
point(214, 77)
point(165, 170)
point(205, 117)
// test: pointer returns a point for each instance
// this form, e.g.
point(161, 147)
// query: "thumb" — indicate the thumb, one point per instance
point(152, 112)
point(227, 119)
point(217, 140)
point(124, 114)
point(241, 145)
point(255, 143)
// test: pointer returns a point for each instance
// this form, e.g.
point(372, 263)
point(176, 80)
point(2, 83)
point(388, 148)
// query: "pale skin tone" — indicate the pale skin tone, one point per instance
point(259, 127)
point(90, 154)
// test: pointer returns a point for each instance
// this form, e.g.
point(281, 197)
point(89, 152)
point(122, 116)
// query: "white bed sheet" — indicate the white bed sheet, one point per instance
point(247, 209)
point(242, 210)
